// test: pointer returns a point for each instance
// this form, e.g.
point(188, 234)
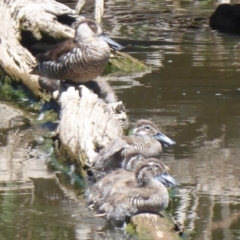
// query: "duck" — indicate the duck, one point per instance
point(80, 59)
point(122, 194)
point(119, 175)
point(146, 141)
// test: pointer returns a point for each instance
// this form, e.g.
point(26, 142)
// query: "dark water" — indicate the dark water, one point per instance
point(193, 94)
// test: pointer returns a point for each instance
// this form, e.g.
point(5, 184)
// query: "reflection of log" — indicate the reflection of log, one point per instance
point(18, 162)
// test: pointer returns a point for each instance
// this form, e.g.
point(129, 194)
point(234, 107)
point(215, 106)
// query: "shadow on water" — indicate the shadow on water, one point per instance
point(193, 93)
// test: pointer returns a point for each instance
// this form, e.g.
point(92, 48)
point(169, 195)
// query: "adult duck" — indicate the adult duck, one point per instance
point(80, 59)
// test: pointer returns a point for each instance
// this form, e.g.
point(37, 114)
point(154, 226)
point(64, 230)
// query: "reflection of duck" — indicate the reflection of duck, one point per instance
point(80, 59)
point(121, 194)
point(146, 141)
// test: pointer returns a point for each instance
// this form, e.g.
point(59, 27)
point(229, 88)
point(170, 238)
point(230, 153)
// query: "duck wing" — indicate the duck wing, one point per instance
point(56, 51)
point(109, 158)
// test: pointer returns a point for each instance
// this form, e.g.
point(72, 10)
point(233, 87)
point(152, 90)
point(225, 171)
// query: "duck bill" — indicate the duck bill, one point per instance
point(166, 141)
point(167, 180)
point(110, 42)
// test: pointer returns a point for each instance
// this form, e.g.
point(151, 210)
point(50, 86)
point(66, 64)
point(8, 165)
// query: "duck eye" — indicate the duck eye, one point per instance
point(147, 127)
point(93, 26)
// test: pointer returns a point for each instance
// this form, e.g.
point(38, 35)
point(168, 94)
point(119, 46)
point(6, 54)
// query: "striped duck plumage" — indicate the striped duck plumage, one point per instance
point(80, 59)
point(131, 161)
point(146, 141)
point(102, 187)
point(122, 194)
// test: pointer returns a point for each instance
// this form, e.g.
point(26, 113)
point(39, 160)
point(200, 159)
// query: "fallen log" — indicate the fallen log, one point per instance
point(87, 124)
point(153, 227)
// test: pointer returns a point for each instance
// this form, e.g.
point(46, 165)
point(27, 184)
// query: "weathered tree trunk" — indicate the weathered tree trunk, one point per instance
point(153, 227)
point(87, 124)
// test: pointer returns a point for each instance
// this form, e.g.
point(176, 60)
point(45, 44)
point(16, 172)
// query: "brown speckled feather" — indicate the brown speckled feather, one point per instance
point(56, 51)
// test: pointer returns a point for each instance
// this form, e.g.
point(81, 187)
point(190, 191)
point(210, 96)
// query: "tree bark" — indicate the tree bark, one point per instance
point(153, 227)
point(87, 124)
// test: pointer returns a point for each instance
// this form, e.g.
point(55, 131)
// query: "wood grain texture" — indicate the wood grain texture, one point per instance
point(87, 123)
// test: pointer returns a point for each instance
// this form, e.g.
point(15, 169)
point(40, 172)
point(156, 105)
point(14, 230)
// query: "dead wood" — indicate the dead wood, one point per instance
point(87, 124)
point(153, 227)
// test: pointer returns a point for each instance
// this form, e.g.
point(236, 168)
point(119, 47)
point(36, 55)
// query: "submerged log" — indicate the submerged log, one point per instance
point(28, 27)
point(153, 227)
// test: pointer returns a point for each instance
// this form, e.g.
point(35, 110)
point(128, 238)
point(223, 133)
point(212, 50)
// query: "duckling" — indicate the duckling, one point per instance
point(103, 187)
point(80, 59)
point(147, 141)
point(122, 194)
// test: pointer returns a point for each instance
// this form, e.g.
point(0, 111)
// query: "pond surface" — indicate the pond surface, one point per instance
point(192, 93)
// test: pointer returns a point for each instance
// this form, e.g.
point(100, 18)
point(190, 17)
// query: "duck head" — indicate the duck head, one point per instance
point(87, 29)
point(154, 168)
point(145, 128)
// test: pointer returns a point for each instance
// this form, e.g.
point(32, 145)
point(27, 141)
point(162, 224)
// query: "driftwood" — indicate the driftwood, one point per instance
point(87, 123)
point(153, 227)
point(99, 8)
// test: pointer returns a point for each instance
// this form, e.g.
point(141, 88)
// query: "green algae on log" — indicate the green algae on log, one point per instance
point(153, 227)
